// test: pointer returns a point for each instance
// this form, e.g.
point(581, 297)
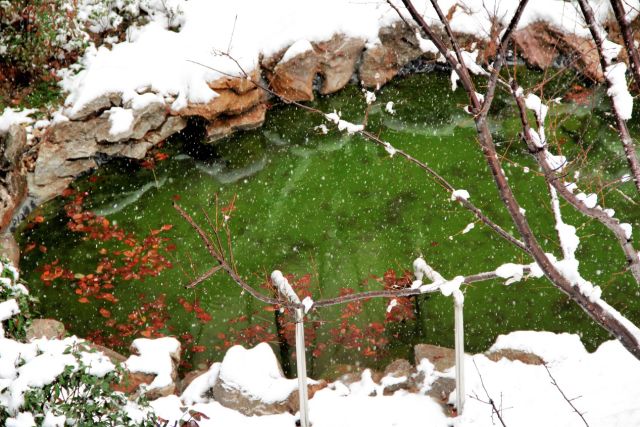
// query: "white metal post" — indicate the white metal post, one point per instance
point(458, 305)
point(287, 291)
point(302, 368)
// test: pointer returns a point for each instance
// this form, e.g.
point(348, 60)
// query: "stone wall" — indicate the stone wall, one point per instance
point(46, 164)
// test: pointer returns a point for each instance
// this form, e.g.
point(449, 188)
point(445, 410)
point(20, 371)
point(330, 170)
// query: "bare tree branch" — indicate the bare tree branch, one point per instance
point(627, 37)
point(494, 409)
point(540, 154)
point(569, 401)
point(627, 333)
point(621, 124)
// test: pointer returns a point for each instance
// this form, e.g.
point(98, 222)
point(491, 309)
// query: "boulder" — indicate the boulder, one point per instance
point(541, 43)
point(293, 78)
point(238, 85)
point(380, 63)
point(173, 124)
point(442, 358)
point(12, 145)
point(45, 328)
point(251, 382)
point(339, 57)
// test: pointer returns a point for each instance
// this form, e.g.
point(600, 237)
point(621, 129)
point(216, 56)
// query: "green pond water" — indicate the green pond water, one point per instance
point(339, 208)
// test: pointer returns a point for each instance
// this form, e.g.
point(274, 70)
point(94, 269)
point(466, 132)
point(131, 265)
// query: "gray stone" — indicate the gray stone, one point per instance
point(45, 328)
point(9, 248)
point(96, 105)
point(399, 368)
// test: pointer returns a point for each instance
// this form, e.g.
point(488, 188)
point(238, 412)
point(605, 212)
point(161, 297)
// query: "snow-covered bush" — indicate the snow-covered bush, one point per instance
point(15, 302)
point(55, 382)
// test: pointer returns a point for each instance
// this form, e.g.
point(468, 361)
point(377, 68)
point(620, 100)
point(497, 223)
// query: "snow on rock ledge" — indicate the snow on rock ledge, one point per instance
point(547, 346)
point(251, 381)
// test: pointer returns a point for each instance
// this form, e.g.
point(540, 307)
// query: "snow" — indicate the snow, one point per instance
point(23, 419)
point(512, 272)
point(343, 124)
point(603, 384)
point(469, 227)
point(256, 372)
point(392, 304)
point(534, 103)
point(449, 287)
point(389, 108)
point(154, 358)
point(121, 121)
point(298, 48)
point(460, 194)
point(369, 97)
point(195, 391)
point(590, 200)
point(307, 302)
point(10, 117)
point(421, 269)
point(610, 50)
point(618, 91)
point(551, 347)
point(283, 286)
point(8, 309)
point(627, 230)
point(390, 149)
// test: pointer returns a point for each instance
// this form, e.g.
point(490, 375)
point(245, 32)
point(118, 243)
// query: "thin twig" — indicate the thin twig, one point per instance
point(494, 409)
point(564, 396)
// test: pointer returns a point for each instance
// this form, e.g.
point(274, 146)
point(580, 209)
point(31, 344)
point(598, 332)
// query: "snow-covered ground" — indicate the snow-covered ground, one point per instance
point(604, 386)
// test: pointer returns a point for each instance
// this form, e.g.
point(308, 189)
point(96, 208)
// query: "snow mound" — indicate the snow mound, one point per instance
point(256, 372)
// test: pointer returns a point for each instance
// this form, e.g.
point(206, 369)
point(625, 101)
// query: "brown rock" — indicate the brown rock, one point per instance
point(47, 328)
point(511, 354)
point(227, 102)
point(293, 79)
point(13, 191)
point(379, 65)
point(533, 46)
point(131, 382)
point(236, 84)
point(442, 358)
point(9, 249)
point(540, 43)
point(225, 126)
point(338, 59)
